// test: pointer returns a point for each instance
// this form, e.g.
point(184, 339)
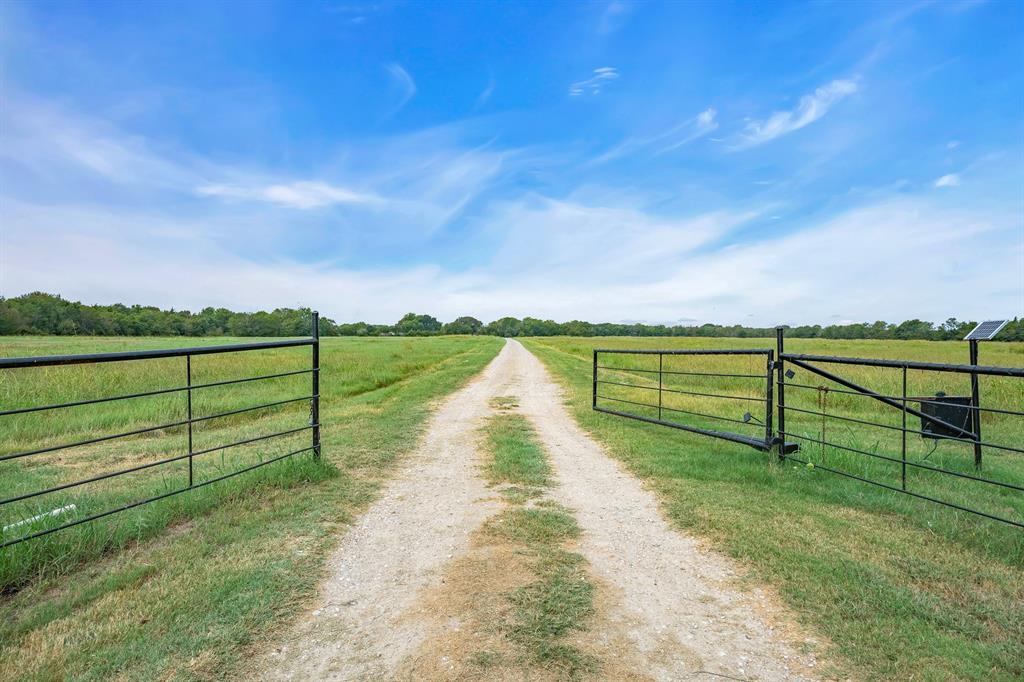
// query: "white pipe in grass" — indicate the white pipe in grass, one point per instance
point(53, 512)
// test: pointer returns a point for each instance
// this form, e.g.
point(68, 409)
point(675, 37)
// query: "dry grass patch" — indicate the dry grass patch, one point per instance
point(504, 402)
point(513, 611)
point(521, 604)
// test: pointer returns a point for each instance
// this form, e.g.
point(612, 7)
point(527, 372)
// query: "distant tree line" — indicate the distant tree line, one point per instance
point(40, 313)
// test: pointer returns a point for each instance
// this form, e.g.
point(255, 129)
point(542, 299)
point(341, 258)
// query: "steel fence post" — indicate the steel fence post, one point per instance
point(769, 434)
point(975, 404)
point(780, 349)
point(315, 411)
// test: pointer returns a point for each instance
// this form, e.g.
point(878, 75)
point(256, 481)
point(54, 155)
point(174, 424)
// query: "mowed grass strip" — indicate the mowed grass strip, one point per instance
point(560, 598)
point(904, 589)
point(190, 590)
point(516, 456)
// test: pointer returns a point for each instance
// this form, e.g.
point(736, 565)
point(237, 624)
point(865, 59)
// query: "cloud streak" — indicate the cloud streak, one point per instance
point(404, 85)
point(385, 196)
point(303, 195)
point(593, 85)
point(810, 108)
point(484, 95)
point(700, 126)
point(672, 139)
point(446, 221)
point(45, 143)
point(666, 265)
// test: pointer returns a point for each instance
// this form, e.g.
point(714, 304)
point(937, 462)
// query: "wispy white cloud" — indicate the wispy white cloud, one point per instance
point(43, 140)
point(810, 108)
point(395, 191)
point(404, 85)
point(484, 95)
point(593, 85)
point(700, 126)
point(392, 191)
point(670, 267)
point(706, 120)
point(298, 194)
point(562, 240)
point(664, 142)
point(950, 180)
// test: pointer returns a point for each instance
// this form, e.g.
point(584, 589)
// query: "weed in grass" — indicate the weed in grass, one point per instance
point(534, 526)
point(518, 494)
point(485, 659)
point(559, 600)
point(505, 402)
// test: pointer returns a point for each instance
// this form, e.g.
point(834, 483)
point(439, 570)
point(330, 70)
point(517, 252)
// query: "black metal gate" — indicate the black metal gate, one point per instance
point(27, 528)
point(909, 427)
point(628, 383)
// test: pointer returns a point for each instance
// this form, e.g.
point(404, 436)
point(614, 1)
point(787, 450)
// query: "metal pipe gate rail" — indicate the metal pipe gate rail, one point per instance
point(637, 390)
point(615, 377)
point(313, 398)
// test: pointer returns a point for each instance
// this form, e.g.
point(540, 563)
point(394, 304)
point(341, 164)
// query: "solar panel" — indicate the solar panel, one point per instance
point(986, 331)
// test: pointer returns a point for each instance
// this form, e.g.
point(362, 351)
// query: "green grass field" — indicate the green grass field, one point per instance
point(180, 589)
point(132, 595)
point(905, 589)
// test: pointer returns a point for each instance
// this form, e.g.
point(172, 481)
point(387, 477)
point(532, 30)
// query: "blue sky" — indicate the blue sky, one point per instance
point(728, 162)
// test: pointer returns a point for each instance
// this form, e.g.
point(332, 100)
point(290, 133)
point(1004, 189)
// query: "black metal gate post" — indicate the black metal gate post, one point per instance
point(188, 393)
point(593, 395)
point(769, 434)
point(315, 407)
point(781, 378)
point(903, 473)
point(975, 404)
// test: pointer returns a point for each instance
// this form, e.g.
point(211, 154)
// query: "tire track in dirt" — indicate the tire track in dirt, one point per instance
point(678, 600)
point(674, 603)
point(395, 552)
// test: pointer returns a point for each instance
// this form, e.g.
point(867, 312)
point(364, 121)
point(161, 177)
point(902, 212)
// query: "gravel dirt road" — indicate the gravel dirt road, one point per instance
point(677, 604)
